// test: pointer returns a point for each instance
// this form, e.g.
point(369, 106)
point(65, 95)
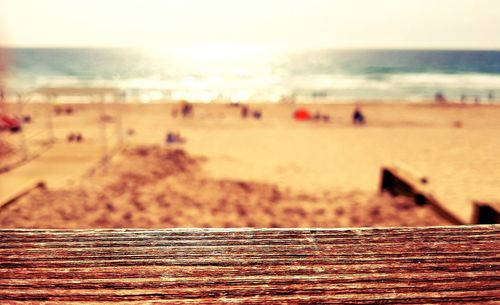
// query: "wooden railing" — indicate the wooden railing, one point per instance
point(456, 265)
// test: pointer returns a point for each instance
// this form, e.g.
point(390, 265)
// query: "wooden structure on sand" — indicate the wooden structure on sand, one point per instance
point(486, 212)
point(400, 180)
point(454, 265)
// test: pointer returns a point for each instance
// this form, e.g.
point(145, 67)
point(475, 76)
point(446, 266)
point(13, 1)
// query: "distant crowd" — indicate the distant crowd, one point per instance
point(440, 98)
point(186, 110)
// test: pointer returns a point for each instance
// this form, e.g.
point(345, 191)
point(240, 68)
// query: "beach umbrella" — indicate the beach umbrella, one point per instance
point(302, 114)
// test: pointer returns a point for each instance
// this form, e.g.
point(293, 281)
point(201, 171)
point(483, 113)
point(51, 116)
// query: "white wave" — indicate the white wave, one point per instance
point(273, 87)
point(472, 81)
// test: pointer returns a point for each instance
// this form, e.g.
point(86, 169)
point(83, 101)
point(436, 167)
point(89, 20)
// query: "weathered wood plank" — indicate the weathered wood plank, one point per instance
point(251, 266)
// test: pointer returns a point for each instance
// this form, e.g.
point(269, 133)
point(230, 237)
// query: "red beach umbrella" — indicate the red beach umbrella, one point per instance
point(302, 114)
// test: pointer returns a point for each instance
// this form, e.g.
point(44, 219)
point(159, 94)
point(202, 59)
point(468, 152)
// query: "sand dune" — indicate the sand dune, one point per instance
point(152, 187)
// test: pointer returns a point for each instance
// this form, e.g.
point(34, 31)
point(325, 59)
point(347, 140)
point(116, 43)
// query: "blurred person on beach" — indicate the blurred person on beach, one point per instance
point(244, 112)
point(439, 97)
point(491, 96)
point(257, 114)
point(187, 109)
point(358, 118)
point(174, 137)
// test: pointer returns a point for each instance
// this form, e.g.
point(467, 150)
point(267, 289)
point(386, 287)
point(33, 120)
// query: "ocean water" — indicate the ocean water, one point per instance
point(242, 74)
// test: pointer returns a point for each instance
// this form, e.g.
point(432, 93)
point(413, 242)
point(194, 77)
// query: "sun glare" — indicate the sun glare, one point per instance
point(218, 58)
point(221, 53)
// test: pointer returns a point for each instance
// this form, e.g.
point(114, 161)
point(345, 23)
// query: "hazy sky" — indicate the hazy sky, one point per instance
point(284, 23)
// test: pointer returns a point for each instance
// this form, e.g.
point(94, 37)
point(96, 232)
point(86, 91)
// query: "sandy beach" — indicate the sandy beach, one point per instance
point(268, 172)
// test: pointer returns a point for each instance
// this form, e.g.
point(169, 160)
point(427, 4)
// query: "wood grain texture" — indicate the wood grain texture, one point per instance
point(251, 266)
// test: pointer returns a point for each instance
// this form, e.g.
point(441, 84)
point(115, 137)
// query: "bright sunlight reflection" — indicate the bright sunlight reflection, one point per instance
point(234, 72)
